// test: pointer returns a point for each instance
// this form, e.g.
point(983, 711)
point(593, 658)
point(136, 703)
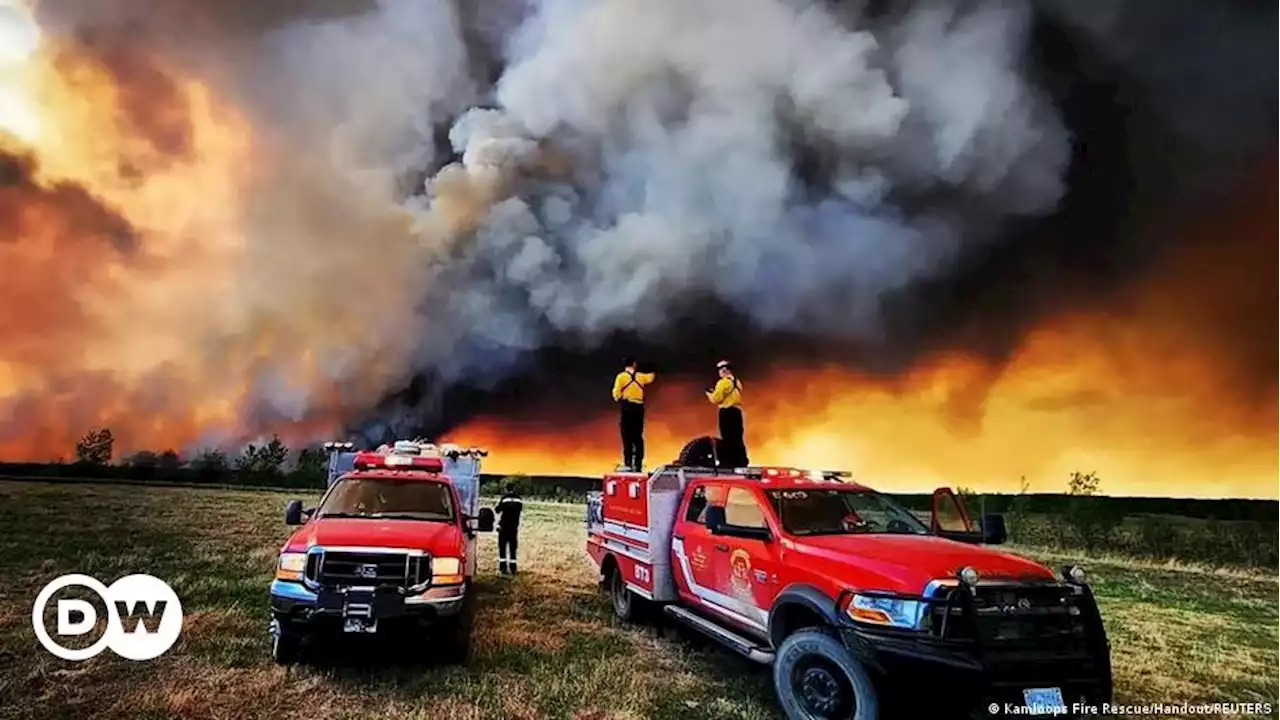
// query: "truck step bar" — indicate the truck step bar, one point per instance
point(739, 644)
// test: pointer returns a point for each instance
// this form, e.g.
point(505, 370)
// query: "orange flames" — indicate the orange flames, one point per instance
point(1173, 395)
point(123, 207)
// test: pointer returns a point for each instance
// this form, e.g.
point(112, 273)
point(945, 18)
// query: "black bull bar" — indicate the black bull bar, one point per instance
point(975, 649)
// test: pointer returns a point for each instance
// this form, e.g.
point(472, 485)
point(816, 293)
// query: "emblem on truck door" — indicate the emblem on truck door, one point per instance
point(740, 571)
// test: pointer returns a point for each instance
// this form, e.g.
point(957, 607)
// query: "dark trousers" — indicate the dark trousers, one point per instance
point(631, 423)
point(733, 448)
point(508, 540)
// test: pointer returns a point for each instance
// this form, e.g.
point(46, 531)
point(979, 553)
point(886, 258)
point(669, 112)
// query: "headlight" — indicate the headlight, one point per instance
point(885, 611)
point(290, 566)
point(446, 571)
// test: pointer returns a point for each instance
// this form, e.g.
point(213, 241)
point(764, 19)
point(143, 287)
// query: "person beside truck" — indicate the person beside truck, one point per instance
point(508, 509)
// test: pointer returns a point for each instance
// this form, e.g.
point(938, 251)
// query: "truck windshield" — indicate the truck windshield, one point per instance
point(396, 498)
point(842, 512)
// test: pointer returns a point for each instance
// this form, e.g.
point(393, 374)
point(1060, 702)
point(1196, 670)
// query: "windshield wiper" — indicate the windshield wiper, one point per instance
point(343, 515)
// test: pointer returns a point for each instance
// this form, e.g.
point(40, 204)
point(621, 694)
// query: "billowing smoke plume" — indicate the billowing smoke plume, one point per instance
point(790, 163)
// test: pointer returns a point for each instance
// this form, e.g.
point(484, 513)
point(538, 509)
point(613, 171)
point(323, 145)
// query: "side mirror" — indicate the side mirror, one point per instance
point(293, 513)
point(715, 519)
point(993, 530)
point(485, 523)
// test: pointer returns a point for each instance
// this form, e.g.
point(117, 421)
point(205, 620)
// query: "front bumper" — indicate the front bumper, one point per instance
point(301, 609)
point(922, 675)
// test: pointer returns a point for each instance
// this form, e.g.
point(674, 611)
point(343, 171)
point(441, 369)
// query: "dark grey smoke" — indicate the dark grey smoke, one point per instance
point(1202, 75)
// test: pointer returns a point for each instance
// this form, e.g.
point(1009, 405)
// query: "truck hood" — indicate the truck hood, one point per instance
point(433, 537)
point(906, 563)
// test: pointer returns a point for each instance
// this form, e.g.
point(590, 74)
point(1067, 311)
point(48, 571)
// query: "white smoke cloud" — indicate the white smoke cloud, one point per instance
point(677, 117)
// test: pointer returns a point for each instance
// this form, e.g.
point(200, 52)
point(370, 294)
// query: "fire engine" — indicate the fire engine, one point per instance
point(389, 549)
point(859, 605)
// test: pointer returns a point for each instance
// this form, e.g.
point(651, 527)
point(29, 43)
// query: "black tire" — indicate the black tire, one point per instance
point(815, 678)
point(455, 633)
point(628, 606)
point(286, 646)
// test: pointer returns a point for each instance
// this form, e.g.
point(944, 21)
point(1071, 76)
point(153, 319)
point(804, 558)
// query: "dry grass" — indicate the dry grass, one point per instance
point(546, 644)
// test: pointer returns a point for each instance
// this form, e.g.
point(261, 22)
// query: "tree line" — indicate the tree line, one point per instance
point(255, 464)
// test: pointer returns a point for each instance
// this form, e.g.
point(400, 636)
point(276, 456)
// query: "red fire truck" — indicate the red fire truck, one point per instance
point(389, 549)
point(860, 606)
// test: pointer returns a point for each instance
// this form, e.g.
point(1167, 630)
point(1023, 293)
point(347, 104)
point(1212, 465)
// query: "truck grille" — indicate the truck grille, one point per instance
point(1010, 613)
point(1027, 632)
point(347, 568)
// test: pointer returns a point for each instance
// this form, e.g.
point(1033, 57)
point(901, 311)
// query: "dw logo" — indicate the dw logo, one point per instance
point(144, 617)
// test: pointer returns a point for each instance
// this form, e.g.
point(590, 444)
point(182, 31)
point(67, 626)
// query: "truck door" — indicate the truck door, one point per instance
point(746, 569)
point(692, 544)
point(949, 513)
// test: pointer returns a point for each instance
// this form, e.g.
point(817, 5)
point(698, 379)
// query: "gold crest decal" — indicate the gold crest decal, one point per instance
point(740, 572)
point(698, 559)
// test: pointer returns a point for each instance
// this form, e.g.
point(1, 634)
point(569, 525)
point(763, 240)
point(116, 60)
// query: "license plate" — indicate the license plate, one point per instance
point(359, 625)
point(1044, 700)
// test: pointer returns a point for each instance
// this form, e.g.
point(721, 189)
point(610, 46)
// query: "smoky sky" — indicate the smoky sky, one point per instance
point(773, 181)
point(1169, 108)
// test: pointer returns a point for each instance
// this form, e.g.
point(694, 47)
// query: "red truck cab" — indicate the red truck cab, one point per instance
point(390, 549)
point(858, 604)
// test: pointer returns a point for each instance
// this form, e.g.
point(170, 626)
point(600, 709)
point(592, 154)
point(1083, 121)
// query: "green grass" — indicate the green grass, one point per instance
point(546, 644)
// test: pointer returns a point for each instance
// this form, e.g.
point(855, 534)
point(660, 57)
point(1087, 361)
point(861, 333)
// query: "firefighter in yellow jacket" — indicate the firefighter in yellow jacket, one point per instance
point(628, 393)
point(727, 395)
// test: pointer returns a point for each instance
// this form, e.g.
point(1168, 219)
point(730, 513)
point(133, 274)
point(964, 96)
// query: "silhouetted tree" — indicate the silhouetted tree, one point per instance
point(143, 459)
point(211, 464)
point(312, 465)
point(169, 461)
point(262, 463)
point(1083, 484)
point(96, 447)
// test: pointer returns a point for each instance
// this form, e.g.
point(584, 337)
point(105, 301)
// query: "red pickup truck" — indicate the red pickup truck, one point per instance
point(860, 607)
point(389, 550)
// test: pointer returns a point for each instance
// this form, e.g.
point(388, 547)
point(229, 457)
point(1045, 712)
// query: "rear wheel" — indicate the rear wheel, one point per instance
point(628, 606)
point(815, 678)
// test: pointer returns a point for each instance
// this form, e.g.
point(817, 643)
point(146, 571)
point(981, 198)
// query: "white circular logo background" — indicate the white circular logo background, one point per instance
point(131, 590)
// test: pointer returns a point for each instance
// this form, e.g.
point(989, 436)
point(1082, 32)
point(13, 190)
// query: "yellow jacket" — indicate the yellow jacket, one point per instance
point(727, 392)
point(630, 387)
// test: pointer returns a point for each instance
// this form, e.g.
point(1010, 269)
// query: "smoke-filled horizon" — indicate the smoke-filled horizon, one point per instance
point(381, 215)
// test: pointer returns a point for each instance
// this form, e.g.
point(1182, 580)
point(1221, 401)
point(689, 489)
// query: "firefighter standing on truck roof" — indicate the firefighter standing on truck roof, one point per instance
point(628, 392)
point(727, 395)
point(508, 511)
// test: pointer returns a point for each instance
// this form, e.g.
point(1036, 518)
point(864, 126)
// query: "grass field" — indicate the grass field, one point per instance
point(546, 643)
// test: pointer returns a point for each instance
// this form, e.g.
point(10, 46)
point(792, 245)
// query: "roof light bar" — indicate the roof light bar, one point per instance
point(387, 461)
point(338, 446)
point(769, 473)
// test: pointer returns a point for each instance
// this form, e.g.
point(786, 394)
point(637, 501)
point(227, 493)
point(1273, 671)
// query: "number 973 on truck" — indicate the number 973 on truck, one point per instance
point(863, 609)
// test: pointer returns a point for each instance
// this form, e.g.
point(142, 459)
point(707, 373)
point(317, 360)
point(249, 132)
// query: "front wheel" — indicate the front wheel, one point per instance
point(456, 633)
point(286, 646)
point(815, 678)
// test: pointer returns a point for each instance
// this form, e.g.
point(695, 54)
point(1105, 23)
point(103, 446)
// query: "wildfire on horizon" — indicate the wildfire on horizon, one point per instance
point(1157, 397)
point(134, 299)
